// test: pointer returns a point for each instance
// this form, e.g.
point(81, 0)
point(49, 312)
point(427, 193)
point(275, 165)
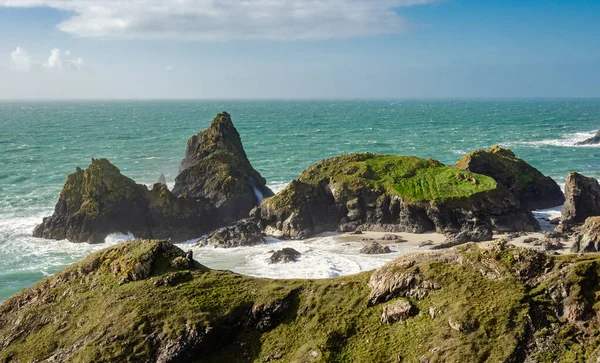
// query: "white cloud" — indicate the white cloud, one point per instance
point(63, 61)
point(57, 61)
point(223, 20)
point(168, 68)
point(21, 60)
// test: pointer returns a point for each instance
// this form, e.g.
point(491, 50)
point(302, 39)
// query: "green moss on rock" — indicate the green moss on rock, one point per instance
point(533, 189)
point(493, 303)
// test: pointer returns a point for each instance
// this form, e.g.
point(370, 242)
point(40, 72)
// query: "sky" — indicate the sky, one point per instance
point(299, 49)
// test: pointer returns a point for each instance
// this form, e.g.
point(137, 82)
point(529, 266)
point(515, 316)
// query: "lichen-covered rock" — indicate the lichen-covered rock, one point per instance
point(375, 248)
point(245, 232)
point(594, 140)
point(529, 185)
point(100, 200)
point(390, 193)
point(582, 199)
point(216, 167)
point(397, 311)
point(589, 238)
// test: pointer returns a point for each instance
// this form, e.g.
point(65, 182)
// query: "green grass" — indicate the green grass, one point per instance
point(415, 178)
point(87, 312)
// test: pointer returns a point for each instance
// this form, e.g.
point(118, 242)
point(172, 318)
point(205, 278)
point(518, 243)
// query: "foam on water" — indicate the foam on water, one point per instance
point(567, 140)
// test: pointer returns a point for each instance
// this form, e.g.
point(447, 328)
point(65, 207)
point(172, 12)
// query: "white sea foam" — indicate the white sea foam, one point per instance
point(568, 140)
point(276, 187)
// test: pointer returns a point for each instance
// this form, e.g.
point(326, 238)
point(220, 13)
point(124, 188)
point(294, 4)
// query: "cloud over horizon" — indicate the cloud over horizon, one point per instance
point(57, 61)
point(226, 20)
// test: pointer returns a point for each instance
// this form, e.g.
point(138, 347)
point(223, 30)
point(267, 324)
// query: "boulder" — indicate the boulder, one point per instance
point(216, 167)
point(162, 179)
point(582, 199)
point(285, 255)
point(589, 239)
point(594, 140)
point(478, 233)
point(100, 200)
point(375, 249)
point(397, 311)
point(529, 185)
point(242, 233)
point(390, 193)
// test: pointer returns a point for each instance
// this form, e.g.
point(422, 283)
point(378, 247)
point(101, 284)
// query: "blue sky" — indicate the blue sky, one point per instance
point(299, 49)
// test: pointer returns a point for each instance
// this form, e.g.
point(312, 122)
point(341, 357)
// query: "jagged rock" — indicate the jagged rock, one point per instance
point(100, 200)
point(162, 179)
point(393, 193)
point(529, 185)
point(582, 199)
point(375, 249)
point(241, 233)
point(594, 140)
point(397, 311)
point(392, 237)
point(477, 233)
point(589, 239)
point(285, 255)
point(215, 167)
point(426, 243)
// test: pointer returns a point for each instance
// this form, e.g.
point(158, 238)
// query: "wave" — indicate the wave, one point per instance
point(567, 140)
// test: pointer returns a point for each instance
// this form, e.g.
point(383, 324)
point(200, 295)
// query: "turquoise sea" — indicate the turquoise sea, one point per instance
point(42, 142)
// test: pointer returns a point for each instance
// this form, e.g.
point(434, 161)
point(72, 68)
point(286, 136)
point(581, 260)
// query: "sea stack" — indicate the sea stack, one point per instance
point(594, 140)
point(533, 189)
point(582, 199)
point(216, 167)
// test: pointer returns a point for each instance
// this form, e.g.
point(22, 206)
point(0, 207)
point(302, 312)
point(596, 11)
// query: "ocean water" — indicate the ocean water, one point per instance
point(42, 142)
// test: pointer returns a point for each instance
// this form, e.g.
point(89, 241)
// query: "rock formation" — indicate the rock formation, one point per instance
point(375, 248)
point(285, 255)
point(392, 194)
point(245, 232)
point(589, 238)
point(582, 199)
point(594, 140)
point(162, 179)
point(479, 233)
point(143, 301)
point(529, 185)
point(100, 200)
point(215, 167)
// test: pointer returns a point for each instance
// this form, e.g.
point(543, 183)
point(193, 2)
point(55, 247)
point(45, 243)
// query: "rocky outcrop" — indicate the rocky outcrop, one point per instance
point(582, 199)
point(285, 255)
point(392, 194)
point(216, 167)
point(375, 248)
point(594, 140)
point(162, 179)
point(589, 238)
point(529, 185)
point(100, 200)
point(479, 233)
point(139, 301)
point(242, 233)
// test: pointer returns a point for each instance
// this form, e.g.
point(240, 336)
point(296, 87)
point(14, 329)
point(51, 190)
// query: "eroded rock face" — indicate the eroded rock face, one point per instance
point(215, 167)
point(589, 239)
point(391, 194)
point(242, 233)
point(529, 185)
point(100, 200)
point(582, 199)
point(594, 140)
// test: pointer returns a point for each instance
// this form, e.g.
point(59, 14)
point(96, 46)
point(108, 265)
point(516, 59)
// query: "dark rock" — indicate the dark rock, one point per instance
point(589, 239)
point(531, 240)
point(245, 232)
point(582, 199)
point(594, 140)
point(161, 179)
point(345, 193)
point(426, 243)
point(215, 167)
point(478, 233)
point(285, 255)
point(358, 231)
point(375, 249)
point(529, 185)
point(552, 244)
point(391, 237)
point(100, 200)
